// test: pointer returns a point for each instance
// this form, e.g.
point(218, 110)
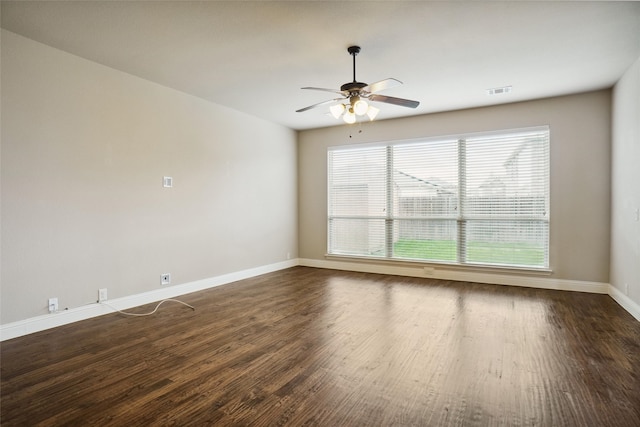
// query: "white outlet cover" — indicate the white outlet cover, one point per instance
point(167, 182)
point(165, 279)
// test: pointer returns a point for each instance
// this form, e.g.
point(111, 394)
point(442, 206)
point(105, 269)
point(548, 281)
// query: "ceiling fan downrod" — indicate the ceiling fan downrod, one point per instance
point(354, 86)
point(353, 51)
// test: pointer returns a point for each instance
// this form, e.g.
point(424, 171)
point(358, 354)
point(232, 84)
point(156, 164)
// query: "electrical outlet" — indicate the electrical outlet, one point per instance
point(53, 305)
point(102, 294)
point(626, 289)
point(165, 279)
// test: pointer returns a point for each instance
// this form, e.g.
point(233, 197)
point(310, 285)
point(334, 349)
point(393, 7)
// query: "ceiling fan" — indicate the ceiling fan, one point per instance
point(356, 93)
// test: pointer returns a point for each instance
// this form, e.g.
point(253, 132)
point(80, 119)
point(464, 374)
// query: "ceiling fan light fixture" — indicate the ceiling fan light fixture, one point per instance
point(337, 110)
point(360, 107)
point(349, 117)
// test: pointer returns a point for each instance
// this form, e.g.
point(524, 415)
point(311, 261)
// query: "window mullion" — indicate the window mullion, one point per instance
point(462, 197)
point(388, 223)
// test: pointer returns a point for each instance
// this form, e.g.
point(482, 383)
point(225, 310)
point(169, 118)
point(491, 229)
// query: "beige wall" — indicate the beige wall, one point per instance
point(625, 201)
point(84, 150)
point(580, 172)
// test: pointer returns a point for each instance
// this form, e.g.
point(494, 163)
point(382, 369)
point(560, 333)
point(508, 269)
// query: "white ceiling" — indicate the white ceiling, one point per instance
point(255, 56)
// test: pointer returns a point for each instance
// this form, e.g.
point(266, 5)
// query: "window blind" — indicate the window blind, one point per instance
point(507, 198)
point(357, 201)
point(478, 199)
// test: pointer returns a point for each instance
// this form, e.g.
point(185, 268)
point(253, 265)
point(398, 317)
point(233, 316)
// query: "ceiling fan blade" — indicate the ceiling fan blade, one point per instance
point(381, 85)
point(339, 92)
point(330, 101)
point(395, 101)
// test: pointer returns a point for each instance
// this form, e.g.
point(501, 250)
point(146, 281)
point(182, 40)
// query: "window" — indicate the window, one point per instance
point(477, 199)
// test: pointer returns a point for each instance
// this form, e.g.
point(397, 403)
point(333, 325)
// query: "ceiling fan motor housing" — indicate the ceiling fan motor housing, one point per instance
point(352, 87)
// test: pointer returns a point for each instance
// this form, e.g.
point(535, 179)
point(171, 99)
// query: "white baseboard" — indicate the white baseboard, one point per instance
point(493, 278)
point(48, 321)
point(627, 303)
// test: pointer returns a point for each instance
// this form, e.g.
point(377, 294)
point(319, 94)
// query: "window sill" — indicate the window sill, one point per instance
point(442, 266)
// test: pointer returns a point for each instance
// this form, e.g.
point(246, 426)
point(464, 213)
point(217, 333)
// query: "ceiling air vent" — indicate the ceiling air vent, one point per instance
point(499, 90)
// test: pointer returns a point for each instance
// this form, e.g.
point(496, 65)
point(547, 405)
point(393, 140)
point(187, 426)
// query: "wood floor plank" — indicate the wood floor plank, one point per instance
point(314, 347)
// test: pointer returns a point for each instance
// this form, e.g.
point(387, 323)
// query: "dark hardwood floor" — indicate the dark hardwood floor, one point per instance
point(309, 346)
